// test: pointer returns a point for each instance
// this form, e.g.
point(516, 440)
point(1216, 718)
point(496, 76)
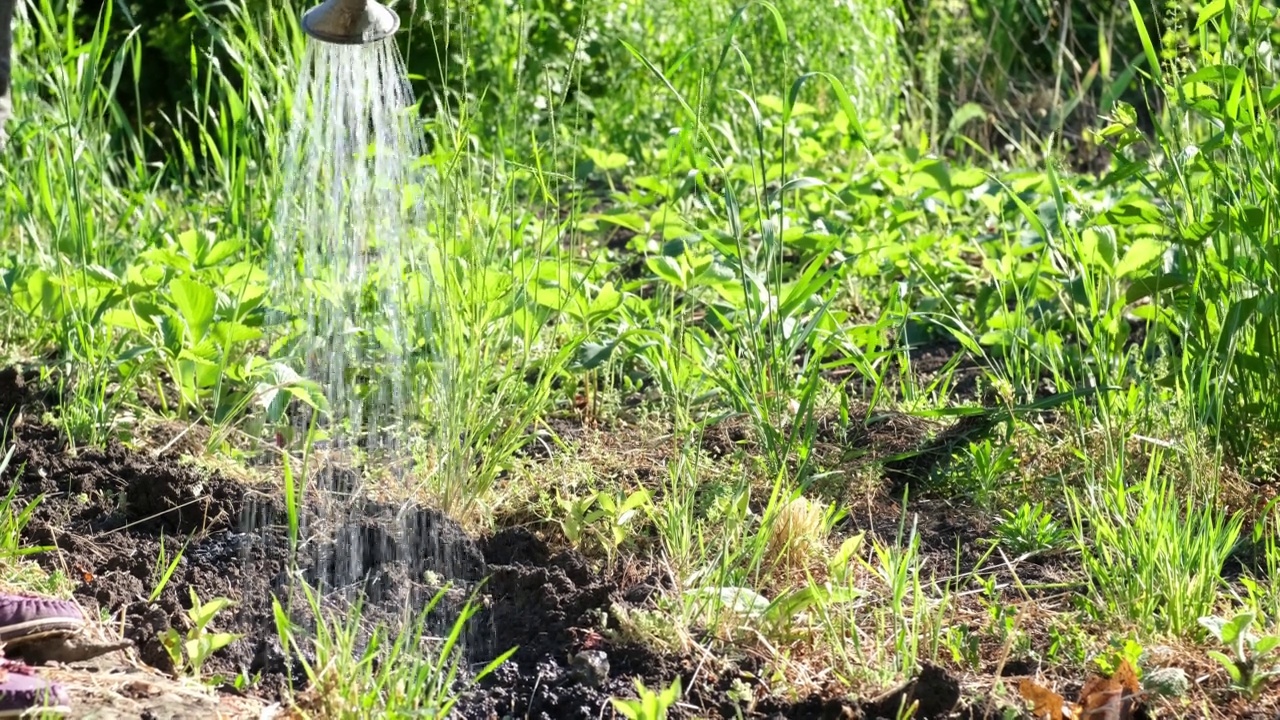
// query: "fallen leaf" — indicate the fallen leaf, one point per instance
point(1127, 677)
point(1045, 703)
point(1110, 698)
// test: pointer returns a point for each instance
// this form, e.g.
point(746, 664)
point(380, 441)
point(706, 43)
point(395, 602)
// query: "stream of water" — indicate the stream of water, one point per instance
point(345, 232)
point(348, 231)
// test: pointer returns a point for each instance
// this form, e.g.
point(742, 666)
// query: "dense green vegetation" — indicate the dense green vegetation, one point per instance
point(802, 263)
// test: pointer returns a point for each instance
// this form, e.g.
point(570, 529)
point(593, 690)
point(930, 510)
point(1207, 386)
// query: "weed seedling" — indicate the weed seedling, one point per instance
point(650, 705)
point(1252, 662)
point(1029, 530)
point(191, 653)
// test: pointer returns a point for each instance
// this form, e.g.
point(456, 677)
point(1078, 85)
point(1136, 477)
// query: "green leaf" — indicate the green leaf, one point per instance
point(1227, 664)
point(592, 355)
point(221, 251)
point(842, 97)
point(196, 304)
point(1266, 645)
point(1210, 11)
point(966, 114)
point(606, 161)
point(192, 243)
point(217, 641)
point(801, 183)
point(124, 318)
point(606, 301)
point(675, 248)
point(1201, 230)
point(668, 269)
point(1134, 211)
point(630, 221)
point(635, 500)
point(629, 709)
point(202, 614)
point(1148, 48)
point(1237, 628)
point(1152, 284)
point(1140, 254)
point(232, 333)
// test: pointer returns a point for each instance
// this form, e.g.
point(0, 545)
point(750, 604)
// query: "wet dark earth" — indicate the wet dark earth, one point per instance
point(107, 516)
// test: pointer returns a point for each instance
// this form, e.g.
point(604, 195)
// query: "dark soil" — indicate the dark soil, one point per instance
point(110, 514)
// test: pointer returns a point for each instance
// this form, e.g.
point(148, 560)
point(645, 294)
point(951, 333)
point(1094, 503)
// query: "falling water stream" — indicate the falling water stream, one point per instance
point(348, 244)
point(344, 231)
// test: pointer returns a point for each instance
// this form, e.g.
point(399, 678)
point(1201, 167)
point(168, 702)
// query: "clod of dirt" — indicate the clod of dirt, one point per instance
point(590, 667)
point(13, 392)
point(1169, 682)
point(936, 691)
point(814, 707)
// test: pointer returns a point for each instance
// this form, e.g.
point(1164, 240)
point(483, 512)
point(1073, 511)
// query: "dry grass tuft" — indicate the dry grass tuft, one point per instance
point(797, 536)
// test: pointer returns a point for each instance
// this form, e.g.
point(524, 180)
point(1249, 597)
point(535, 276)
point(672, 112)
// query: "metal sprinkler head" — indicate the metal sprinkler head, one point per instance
point(350, 22)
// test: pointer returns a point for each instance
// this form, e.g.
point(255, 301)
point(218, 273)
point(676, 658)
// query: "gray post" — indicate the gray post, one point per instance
point(6, 44)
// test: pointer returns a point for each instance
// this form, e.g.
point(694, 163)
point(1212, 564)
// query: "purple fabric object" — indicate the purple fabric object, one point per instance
point(23, 694)
point(25, 617)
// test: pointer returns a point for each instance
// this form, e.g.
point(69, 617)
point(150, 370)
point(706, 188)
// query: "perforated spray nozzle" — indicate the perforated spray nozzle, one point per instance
point(350, 22)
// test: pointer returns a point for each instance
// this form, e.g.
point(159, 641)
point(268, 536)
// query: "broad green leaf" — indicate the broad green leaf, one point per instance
point(968, 179)
point(1152, 284)
point(196, 303)
point(630, 221)
point(1140, 254)
point(1201, 230)
point(667, 269)
point(202, 614)
point(606, 161)
point(966, 114)
point(232, 333)
point(1210, 11)
point(636, 500)
point(605, 302)
point(1236, 629)
point(1098, 247)
point(42, 291)
point(221, 251)
point(740, 600)
point(125, 318)
point(1227, 664)
point(593, 355)
point(675, 248)
point(192, 243)
point(1134, 211)
point(217, 641)
point(1266, 644)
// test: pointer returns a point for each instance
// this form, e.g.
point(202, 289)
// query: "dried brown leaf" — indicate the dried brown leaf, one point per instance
point(1045, 703)
point(1127, 677)
point(1110, 698)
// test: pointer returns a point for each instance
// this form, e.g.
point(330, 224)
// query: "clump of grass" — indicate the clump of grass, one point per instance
point(1152, 555)
point(797, 535)
point(386, 672)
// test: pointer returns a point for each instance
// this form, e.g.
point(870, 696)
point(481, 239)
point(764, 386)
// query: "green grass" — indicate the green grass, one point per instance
point(660, 220)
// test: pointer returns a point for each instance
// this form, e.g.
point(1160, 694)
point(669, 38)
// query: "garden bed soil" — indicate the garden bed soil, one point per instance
point(106, 513)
